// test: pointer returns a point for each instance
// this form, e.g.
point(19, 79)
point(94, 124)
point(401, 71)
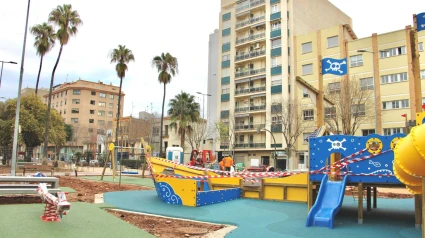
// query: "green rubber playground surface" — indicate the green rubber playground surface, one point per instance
point(84, 220)
point(67, 189)
point(259, 218)
point(124, 180)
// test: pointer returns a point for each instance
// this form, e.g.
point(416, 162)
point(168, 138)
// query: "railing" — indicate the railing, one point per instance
point(251, 108)
point(251, 90)
point(250, 38)
point(250, 54)
point(249, 21)
point(250, 72)
point(250, 126)
point(250, 145)
point(247, 5)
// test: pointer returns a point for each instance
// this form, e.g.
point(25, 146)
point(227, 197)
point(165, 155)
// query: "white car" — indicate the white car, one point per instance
point(94, 162)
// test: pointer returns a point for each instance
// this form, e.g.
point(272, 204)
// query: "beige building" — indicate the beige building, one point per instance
point(28, 91)
point(256, 69)
point(383, 67)
point(89, 107)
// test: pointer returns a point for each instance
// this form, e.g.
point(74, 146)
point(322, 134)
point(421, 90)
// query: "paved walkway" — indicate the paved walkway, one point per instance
point(257, 218)
point(84, 220)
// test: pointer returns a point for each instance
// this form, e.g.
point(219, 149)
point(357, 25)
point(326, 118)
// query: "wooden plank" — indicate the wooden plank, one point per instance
point(261, 195)
point(360, 206)
point(225, 185)
point(418, 211)
point(368, 199)
point(286, 185)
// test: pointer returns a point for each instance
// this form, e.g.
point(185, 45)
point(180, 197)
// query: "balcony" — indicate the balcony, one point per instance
point(225, 97)
point(249, 55)
point(252, 144)
point(247, 5)
point(224, 114)
point(251, 108)
point(165, 134)
point(247, 127)
point(274, 16)
point(250, 21)
point(225, 47)
point(262, 88)
point(250, 72)
point(225, 80)
point(275, 70)
point(276, 51)
point(275, 33)
point(250, 38)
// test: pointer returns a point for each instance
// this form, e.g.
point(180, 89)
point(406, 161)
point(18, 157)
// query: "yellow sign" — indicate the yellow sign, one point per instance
point(111, 146)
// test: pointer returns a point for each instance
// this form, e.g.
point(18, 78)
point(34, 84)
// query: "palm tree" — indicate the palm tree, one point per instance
point(168, 67)
point(183, 111)
point(68, 22)
point(122, 56)
point(44, 41)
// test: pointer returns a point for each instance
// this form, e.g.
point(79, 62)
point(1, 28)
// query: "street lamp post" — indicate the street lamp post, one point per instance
point(203, 101)
point(18, 104)
point(374, 85)
point(2, 63)
point(274, 140)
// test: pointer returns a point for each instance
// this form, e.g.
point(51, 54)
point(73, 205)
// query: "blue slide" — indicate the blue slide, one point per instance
point(328, 203)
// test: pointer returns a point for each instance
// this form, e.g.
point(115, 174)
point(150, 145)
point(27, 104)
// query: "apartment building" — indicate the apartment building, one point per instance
point(381, 64)
point(255, 71)
point(41, 92)
point(89, 107)
point(212, 82)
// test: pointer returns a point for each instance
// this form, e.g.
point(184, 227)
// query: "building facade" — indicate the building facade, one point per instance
point(212, 83)
point(90, 108)
point(256, 70)
point(381, 64)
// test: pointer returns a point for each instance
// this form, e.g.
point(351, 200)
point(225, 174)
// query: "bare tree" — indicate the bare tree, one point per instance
point(354, 105)
point(200, 132)
point(227, 133)
point(288, 118)
point(76, 142)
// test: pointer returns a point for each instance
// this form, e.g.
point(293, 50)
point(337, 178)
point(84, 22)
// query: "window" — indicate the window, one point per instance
point(276, 43)
point(91, 120)
point(226, 57)
point(421, 46)
point(54, 96)
point(102, 104)
point(101, 113)
point(226, 24)
point(110, 114)
point(276, 80)
point(57, 104)
point(64, 111)
point(308, 115)
point(305, 139)
point(75, 110)
point(76, 92)
point(333, 41)
point(274, 8)
point(334, 87)
point(102, 95)
point(277, 119)
point(61, 103)
point(306, 48)
point(368, 132)
point(276, 25)
point(91, 111)
point(393, 78)
point(366, 84)
point(358, 110)
point(75, 101)
point(226, 39)
point(330, 112)
point(356, 60)
point(65, 102)
point(274, 62)
point(307, 69)
point(74, 120)
point(395, 104)
point(393, 52)
point(109, 123)
point(225, 90)
point(91, 129)
point(305, 93)
point(92, 102)
point(111, 105)
point(391, 131)
point(93, 93)
point(61, 94)
point(423, 74)
point(100, 122)
point(111, 96)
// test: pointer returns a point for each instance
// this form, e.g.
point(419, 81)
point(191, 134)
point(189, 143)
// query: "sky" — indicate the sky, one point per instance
point(148, 28)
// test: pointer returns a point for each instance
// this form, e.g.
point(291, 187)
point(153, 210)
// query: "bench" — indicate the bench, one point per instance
point(22, 164)
point(39, 168)
point(10, 184)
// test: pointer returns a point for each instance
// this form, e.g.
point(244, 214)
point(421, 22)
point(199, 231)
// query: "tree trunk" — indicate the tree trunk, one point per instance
point(182, 139)
point(162, 121)
point(119, 114)
point(49, 106)
point(38, 77)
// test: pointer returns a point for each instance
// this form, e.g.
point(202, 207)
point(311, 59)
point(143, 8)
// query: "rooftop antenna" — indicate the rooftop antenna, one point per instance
point(66, 80)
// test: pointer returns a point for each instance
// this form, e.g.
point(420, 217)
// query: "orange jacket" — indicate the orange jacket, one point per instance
point(221, 165)
point(228, 162)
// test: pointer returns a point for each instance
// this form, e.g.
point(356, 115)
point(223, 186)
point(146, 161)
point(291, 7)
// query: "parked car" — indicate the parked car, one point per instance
point(94, 163)
point(109, 164)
